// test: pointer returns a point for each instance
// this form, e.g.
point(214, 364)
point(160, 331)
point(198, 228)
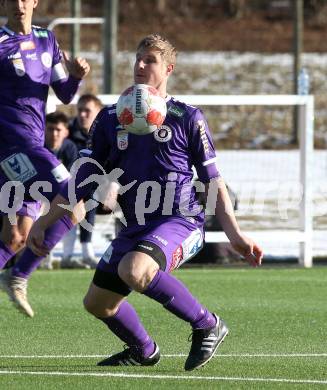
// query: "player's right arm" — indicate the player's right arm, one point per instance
point(65, 87)
point(61, 205)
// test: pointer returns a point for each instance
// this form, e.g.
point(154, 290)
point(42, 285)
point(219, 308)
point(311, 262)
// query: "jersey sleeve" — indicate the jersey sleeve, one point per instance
point(202, 148)
point(57, 56)
point(65, 87)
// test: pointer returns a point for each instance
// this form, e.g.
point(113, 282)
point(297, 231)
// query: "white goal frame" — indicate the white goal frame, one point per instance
point(304, 235)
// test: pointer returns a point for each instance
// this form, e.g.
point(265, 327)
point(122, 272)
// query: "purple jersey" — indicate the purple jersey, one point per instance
point(157, 161)
point(29, 64)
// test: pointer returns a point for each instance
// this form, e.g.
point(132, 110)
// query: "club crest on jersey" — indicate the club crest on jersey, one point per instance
point(122, 139)
point(19, 67)
point(46, 59)
point(163, 134)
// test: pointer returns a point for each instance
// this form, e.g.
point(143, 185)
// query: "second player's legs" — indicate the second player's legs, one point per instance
point(14, 236)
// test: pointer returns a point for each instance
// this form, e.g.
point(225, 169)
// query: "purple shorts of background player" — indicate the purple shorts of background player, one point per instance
point(40, 173)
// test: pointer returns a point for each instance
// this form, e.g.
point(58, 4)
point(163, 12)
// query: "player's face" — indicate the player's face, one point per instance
point(55, 134)
point(151, 69)
point(86, 113)
point(19, 11)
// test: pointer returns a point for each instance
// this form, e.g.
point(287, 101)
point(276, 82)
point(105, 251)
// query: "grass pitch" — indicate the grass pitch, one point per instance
point(277, 320)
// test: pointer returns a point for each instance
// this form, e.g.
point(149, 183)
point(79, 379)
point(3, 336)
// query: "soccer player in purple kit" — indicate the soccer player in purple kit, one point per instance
point(30, 62)
point(155, 243)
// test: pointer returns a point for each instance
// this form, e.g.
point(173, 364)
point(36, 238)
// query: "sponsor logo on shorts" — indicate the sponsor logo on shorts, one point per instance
point(18, 167)
point(107, 254)
point(160, 239)
point(192, 244)
point(149, 248)
point(177, 257)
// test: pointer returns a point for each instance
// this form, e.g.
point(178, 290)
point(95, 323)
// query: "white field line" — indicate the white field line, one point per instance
point(174, 377)
point(181, 355)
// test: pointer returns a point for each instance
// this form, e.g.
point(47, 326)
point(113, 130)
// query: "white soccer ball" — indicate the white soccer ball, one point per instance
point(140, 109)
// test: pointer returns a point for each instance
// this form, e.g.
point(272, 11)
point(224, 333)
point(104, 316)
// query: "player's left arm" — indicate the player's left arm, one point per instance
point(204, 159)
point(218, 198)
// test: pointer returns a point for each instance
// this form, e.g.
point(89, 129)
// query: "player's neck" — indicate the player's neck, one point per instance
point(20, 28)
point(162, 91)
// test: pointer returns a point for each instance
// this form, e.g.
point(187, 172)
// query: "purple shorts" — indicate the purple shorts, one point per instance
point(40, 173)
point(173, 240)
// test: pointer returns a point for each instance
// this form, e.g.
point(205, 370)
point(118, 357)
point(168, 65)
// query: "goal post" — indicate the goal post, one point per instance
point(304, 234)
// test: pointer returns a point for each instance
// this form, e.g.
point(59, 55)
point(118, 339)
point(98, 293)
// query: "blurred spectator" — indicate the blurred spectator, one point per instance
point(88, 107)
point(65, 150)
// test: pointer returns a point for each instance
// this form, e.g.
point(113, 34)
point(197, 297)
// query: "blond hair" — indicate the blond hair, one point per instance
point(155, 41)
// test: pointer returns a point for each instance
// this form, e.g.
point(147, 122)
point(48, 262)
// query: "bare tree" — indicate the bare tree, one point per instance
point(235, 8)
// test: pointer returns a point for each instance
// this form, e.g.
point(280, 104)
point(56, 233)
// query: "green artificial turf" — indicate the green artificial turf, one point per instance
point(277, 319)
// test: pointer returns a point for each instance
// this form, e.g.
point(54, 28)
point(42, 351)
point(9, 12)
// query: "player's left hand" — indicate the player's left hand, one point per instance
point(77, 67)
point(247, 248)
point(35, 240)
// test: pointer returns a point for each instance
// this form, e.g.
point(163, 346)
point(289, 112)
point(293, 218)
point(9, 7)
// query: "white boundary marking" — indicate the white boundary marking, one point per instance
point(248, 355)
point(145, 376)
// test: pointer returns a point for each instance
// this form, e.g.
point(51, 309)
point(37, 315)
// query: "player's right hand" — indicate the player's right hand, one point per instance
point(35, 241)
point(77, 67)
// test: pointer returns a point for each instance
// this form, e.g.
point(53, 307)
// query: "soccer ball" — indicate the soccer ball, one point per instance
point(140, 109)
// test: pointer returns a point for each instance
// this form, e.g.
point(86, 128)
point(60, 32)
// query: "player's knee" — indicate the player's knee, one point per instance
point(16, 241)
point(98, 311)
point(137, 276)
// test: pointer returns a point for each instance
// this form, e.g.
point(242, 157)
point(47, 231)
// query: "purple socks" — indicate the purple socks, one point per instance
point(176, 298)
point(5, 254)
point(29, 261)
point(127, 326)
